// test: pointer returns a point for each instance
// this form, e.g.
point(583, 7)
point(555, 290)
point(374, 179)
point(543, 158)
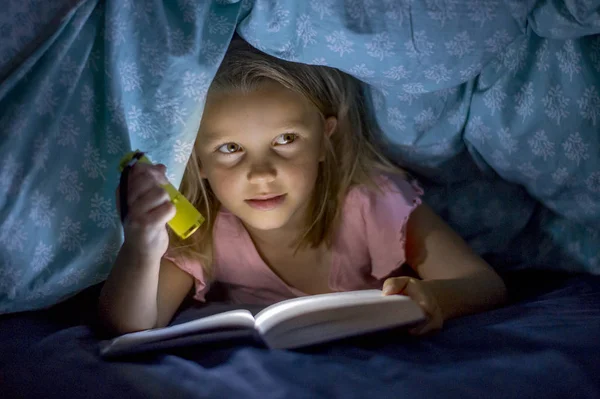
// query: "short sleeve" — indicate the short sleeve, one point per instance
point(386, 215)
point(193, 268)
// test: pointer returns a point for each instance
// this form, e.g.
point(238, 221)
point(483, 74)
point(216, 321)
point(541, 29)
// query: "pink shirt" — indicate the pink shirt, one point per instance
point(368, 248)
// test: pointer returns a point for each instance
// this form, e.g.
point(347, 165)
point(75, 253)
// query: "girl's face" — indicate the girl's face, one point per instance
point(260, 152)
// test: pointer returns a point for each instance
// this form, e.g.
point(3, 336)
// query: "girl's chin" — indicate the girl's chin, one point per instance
point(265, 222)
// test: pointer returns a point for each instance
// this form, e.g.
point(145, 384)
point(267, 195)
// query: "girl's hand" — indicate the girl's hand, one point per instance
point(418, 291)
point(150, 209)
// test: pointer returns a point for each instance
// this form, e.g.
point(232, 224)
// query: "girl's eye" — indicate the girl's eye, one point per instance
point(229, 148)
point(286, 138)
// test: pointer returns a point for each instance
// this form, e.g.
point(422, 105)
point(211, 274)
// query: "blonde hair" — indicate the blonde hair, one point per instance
point(351, 156)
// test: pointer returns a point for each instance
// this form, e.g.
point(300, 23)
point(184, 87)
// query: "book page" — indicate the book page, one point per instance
point(325, 325)
point(226, 320)
point(292, 308)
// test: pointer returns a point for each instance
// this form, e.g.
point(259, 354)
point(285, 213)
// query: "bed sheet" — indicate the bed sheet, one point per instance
point(543, 345)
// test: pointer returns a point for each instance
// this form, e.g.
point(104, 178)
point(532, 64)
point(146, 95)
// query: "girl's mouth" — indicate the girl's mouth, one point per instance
point(267, 203)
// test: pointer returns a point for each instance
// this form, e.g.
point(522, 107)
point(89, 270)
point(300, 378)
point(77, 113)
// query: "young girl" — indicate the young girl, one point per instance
point(297, 202)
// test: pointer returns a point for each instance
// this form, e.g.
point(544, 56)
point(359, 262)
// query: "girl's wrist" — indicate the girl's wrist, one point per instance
point(134, 255)
point(462, 296)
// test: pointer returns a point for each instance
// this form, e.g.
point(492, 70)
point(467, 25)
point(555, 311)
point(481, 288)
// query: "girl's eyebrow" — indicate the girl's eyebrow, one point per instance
point(290, 125)
point(293, 125)
point(211, 137)
point(297, 123)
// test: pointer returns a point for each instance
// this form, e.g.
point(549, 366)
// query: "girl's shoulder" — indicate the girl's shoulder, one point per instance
point(373, 223)
point(389, 191)
point(384, 207)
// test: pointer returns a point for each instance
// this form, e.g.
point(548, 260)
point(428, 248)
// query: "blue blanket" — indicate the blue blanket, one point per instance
point(544, 345)
point(494, 105)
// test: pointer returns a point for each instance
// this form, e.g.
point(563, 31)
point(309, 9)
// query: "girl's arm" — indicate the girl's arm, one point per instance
point(144, 290)
point(142, 293)
point(462, 282)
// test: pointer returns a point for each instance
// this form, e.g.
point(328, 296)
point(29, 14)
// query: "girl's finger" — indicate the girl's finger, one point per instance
point(157, 171)
point(139, 168)
point(163, 213)
point(139, 186)
point(419, 328)
point(416, 293)
point(146, 177)
point(394, 286)
point(160, 168)
point(434, 323)
point(158, 216)
point(410, 287)
point(153, 198)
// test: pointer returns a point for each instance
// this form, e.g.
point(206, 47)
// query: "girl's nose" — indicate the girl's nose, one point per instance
point(261, 172)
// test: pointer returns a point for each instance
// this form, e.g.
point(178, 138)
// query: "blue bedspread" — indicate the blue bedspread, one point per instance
point(542, 346)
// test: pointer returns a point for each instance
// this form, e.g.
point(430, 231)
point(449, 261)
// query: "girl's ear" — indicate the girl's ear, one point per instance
point(196, 158)
point(330, 125)
point(201, 170)
point(329, 129)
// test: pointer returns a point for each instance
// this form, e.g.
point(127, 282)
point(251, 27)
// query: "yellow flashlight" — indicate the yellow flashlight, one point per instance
point(187, 219)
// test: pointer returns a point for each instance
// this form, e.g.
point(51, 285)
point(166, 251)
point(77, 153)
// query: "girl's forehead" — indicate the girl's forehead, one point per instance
point(270, 106)
point(270, 94)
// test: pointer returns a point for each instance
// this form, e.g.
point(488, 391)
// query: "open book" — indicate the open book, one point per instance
point(288, 324)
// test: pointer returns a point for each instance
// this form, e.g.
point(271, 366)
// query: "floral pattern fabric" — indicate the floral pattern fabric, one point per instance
point(494, 104)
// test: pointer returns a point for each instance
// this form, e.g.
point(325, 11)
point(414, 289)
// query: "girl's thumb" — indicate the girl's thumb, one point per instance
point(395, 285)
